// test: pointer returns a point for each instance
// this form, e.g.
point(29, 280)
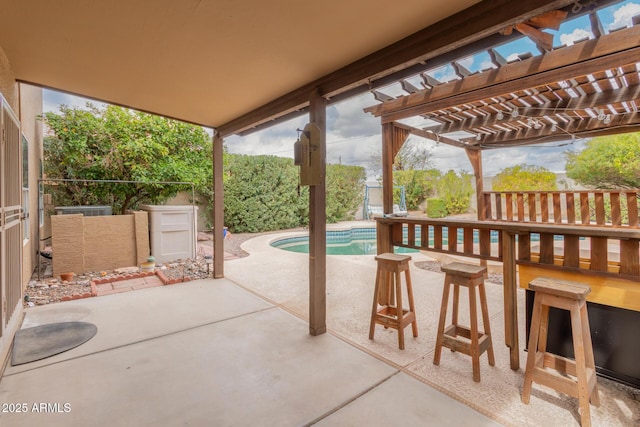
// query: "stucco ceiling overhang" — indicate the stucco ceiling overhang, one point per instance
point(212, 61)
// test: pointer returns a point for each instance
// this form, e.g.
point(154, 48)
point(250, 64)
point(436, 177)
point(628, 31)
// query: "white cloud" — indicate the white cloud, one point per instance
point(513, 56)
point(351, 120)
point(551, 156)
point(622, 17)
point(353, 136)
point(577, 34)
point(277, 140)
point(445, 157)
point(485, 65)
point(51, 101)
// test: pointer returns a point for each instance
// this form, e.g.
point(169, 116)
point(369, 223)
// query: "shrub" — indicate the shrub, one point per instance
point(418, 184)
point(436, 208)
point(524, 178)
point(456, 191)
point(345, 187)
point(262, 194)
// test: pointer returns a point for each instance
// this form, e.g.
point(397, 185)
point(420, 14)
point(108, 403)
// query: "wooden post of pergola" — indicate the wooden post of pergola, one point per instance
point(393, 138)
point(387, 167)
point(318, 225)
point(475, 157)
point(218, 208)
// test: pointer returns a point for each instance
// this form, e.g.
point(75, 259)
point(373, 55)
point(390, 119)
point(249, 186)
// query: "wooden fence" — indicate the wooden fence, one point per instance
point(614, 208)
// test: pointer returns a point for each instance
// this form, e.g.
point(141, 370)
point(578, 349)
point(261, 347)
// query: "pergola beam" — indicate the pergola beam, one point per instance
point(432, 135)
point(620, 123)
point(597, 100)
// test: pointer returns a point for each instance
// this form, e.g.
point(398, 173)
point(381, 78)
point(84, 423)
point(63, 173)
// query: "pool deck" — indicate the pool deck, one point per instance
point(284, 282)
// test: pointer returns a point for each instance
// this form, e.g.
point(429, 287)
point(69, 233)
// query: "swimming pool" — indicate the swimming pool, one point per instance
point(356, 241)
point(362, 241)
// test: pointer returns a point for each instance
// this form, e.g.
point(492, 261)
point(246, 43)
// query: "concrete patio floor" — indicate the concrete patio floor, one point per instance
point(210, 353)
point(236, 351)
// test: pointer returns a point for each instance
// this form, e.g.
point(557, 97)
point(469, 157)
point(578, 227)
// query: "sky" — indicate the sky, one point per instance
point(354, 137)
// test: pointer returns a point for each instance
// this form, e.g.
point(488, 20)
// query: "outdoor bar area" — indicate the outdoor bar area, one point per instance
point(578, 244)
point(532, 250)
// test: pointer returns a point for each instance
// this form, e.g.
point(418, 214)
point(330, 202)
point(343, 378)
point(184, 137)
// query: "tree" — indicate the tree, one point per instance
point(607, 162)
point(261, 194)
point(115, 143)
point(412, 156)
point(412, 169)
point(525, 178)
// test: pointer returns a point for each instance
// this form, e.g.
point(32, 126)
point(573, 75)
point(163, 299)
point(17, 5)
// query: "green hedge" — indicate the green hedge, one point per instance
point(261, 193)
point(345, 191)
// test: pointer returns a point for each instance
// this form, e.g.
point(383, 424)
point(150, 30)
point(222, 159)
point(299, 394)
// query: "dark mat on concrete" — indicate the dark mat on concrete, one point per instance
point(44, 341)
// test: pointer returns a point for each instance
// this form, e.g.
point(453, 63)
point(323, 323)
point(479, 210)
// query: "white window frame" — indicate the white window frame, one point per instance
point(26, 229)
point(41, 196)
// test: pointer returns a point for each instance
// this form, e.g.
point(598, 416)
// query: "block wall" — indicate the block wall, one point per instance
point(98, 243)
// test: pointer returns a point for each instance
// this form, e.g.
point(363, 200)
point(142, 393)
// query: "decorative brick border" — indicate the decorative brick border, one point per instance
point(78, 296)
point(94, 291)
point(122, 277)
point(167, 281)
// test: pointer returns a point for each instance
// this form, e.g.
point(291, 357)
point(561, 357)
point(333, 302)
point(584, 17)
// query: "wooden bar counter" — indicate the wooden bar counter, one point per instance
point(608, 256)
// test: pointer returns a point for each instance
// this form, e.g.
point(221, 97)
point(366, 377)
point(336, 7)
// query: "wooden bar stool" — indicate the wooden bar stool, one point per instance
point(571, 296)
point(467, 340)
point(388, 289)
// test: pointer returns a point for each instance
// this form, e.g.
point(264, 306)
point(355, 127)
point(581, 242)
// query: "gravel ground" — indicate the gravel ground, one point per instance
point(49, 289)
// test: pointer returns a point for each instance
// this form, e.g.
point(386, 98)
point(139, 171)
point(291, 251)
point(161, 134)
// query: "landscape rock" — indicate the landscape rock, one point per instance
point(127, 270)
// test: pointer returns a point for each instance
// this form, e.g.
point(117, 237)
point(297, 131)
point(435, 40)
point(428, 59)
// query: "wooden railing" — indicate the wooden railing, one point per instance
point(604, 208)
point(605, 251)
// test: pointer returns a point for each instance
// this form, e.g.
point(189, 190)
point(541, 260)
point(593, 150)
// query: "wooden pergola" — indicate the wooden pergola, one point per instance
point(588, 89)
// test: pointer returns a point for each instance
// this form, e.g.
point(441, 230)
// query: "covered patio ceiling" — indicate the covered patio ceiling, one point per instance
point(234, 66)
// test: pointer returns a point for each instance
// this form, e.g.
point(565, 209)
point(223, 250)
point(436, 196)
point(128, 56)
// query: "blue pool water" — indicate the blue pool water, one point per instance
point(362, 241)
point(357, 241)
